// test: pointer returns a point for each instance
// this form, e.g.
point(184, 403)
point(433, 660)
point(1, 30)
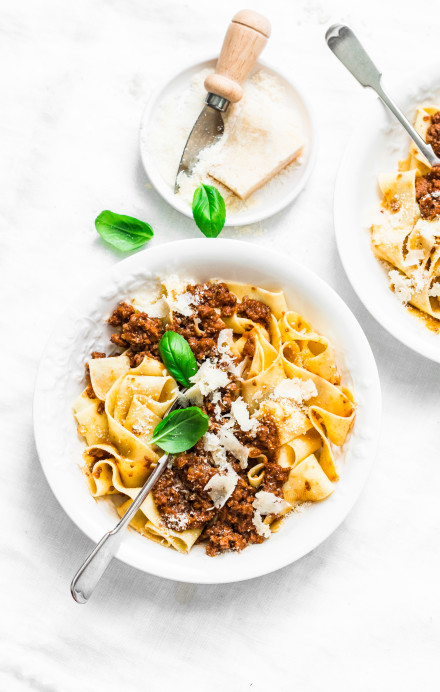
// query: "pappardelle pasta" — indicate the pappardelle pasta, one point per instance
point(271, 388)
point(408, 235)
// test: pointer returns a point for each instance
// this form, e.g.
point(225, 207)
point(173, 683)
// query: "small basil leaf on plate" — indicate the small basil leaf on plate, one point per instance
point(209, 210)
point(180, 429)
point(177, 357)
point(123, 232)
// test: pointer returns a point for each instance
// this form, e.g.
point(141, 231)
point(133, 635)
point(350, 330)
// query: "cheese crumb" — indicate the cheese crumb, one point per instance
point(209, 378)
point(241, 414)
point(221, 486)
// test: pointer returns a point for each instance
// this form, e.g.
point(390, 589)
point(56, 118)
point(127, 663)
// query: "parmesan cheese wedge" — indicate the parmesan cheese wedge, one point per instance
point(256, 150)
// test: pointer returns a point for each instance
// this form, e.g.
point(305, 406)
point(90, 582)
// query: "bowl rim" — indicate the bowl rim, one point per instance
point(233, 220)
point(388, 319)
point(368, 437)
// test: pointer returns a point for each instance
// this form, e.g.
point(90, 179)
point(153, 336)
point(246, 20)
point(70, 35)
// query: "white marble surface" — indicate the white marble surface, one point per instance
point(362, 611)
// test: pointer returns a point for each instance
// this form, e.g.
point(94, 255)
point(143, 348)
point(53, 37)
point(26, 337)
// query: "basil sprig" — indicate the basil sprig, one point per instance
point(177, 357)
point(123, 232)
point(209, 210)
point(180, 429)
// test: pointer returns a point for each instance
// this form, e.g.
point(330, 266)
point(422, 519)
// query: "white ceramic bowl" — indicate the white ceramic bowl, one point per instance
point(268, 200)
point(82, 329)
point(375, 147)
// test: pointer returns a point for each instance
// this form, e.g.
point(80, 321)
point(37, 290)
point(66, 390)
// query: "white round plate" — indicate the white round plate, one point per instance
point(375, 147)
point(269, 199)
point(82, 329)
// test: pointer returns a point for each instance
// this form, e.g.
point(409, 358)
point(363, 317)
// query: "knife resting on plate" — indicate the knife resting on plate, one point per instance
point(245, 38)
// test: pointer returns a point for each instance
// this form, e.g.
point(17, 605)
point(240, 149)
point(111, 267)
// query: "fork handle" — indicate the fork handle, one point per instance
point(87, 577)
point(348, 49)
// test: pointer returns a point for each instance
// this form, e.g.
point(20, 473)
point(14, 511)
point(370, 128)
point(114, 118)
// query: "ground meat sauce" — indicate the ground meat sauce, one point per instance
point(265, 439)
point(254, 310)
point(428, 193)
point(228, 395)
point(139, 333)
point(201, 329)
point(250, 345)
point(428, 186)
point(179, 493)
point(233, 528)
point(433, 133)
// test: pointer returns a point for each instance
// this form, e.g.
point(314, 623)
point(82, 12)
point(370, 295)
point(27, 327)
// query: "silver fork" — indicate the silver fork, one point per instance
point(87, 577)
point(85, 580)
point(346, 46)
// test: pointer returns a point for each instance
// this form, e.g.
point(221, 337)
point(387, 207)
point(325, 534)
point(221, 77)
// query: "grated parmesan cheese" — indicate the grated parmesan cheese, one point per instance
point(221, 486)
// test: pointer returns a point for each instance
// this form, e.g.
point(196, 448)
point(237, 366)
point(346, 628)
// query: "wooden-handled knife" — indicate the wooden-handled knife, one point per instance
point(245, 38)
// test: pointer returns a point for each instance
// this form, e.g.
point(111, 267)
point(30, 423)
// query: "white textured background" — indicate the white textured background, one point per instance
point(362, 612)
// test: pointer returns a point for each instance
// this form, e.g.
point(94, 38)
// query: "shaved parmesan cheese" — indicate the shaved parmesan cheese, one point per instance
point(148, 298)
point(268, 503)
point(402, 285)
point(261, 528)
point(434, 291)
point(183, 303)
point(192, 395)
point(264, 139)
point(224, 342)
point(241, 414)
point(297, 389)
point(212, 444)
point(231, 444)
point(209, 378)
point(177, 297)
point(221, 486)
point(414, 257)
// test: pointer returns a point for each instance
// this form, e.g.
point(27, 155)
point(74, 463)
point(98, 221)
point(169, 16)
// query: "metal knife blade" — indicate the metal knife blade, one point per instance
point(207, 130)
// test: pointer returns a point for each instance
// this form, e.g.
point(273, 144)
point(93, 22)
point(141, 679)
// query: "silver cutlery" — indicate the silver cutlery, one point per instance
point(87, 577)
point(347, 48)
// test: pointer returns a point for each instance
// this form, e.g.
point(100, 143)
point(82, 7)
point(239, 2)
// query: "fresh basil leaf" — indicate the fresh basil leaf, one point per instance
point(123, 232)
point(209, 210)
point(180, 429)
point(177, 357)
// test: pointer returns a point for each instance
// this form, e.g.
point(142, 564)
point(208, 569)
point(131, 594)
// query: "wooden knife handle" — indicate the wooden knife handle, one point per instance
point(245, 38)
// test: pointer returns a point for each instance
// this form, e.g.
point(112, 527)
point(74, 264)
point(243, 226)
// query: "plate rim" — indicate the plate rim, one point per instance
point(233, 220)
point(166, 571)
point(412, 341)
